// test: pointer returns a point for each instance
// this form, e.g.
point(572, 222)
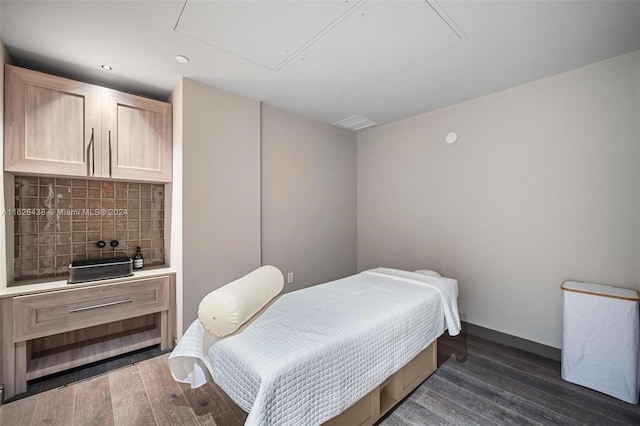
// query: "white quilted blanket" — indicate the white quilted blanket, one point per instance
point(316, 351)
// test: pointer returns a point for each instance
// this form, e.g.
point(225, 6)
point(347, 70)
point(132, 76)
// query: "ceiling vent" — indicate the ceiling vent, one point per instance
point(355, 123)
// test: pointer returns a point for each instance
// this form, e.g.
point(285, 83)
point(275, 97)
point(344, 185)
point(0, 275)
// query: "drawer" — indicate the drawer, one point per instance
point(57, 312)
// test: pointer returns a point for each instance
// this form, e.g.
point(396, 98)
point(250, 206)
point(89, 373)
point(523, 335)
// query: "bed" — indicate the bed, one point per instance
point(314, 353)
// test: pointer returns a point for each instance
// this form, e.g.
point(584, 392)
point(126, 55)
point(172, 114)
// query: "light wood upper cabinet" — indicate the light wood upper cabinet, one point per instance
point(49, 123)
point(138, 135)
point(57, 126)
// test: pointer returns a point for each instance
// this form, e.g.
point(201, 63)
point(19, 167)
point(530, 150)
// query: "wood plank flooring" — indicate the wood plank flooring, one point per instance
point(496, 385)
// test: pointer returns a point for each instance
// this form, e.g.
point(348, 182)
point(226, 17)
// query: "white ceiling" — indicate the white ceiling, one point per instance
point(327, 60)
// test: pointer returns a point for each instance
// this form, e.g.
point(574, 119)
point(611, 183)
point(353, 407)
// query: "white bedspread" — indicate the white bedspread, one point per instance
point(316, 351)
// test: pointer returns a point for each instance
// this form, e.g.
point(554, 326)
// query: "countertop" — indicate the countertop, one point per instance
point(41, 286)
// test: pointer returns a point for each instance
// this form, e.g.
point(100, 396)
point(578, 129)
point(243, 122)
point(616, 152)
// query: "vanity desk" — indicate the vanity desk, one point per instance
point(49, 327)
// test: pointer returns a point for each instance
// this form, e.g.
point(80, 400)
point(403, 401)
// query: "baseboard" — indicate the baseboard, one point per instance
point(513, 341)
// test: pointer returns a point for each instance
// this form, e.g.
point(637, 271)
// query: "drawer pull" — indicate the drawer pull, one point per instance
point(102, 305)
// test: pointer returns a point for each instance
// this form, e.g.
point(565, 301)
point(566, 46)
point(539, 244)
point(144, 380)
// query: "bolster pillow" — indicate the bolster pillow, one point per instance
point(222, 311)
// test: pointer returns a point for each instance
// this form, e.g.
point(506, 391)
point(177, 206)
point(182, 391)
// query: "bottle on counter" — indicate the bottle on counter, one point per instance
point(138, 260)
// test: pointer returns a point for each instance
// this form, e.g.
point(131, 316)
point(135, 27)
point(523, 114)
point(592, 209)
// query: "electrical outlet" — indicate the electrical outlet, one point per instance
point(290, 278)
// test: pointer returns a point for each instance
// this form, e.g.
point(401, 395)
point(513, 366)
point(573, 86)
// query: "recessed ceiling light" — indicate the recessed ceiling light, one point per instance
point(182, 59)
point(106, 67)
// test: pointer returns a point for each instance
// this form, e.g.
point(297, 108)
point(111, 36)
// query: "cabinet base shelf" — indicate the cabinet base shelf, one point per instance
point(41, 334)
point(79, 355)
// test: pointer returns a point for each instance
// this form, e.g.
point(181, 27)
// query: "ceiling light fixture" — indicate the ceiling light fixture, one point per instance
point(106, 67)
point(182, 59)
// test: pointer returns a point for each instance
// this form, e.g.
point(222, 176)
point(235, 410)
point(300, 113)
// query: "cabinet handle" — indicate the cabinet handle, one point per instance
point(109, 153)
point(102, 305)
point(92, 147)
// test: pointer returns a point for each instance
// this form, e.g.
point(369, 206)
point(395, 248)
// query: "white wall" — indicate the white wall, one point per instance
point(308, 198)
point(542, 186)
point(220, 190)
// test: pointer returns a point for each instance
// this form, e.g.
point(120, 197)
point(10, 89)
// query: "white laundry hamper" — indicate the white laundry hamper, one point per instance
point(601, 338)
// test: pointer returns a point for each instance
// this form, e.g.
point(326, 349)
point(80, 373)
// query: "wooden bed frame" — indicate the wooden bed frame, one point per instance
point(370, 408)
point(374, 405)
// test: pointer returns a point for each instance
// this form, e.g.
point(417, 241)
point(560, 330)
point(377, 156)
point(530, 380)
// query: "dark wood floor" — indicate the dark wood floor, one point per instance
point(496, 385)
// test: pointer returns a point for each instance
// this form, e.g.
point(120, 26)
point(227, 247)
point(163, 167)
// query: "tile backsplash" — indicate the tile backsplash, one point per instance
point(58, 220)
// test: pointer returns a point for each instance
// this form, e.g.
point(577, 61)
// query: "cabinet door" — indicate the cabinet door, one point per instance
point(52, 124)
point(136, 137)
